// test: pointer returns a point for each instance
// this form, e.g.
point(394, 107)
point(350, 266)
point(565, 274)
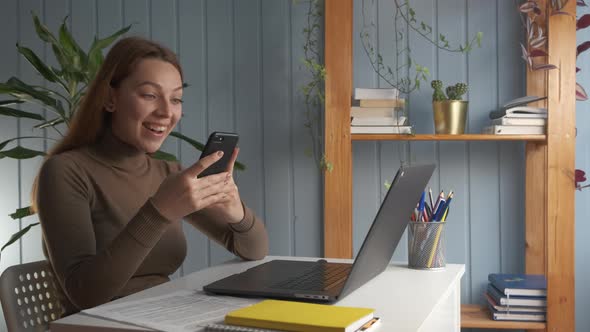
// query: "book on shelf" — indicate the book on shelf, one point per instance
point(519, 284)
point(300, 316)
point(522, 101)
point(523, 316)
point(517, 313)
point(374, 112)
point(381, 129)
point(378, 121)
point(520, 112)
point(391, 103)
point(376, 93)
point(501, 299)
point(507, 121)
point(513, 130)
point(514, 309)
point(517, 108)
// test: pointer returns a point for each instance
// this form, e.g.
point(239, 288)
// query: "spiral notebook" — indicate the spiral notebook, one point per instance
point(369, 327)
point(233, 328)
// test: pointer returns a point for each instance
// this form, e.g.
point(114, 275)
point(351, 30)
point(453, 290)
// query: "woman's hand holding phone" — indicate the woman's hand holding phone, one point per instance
point(183, 193)
point(230, 206)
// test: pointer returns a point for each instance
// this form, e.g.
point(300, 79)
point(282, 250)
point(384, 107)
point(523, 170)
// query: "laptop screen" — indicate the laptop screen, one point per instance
point(389, 225)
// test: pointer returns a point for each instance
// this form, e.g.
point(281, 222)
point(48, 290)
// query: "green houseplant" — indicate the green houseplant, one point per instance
point(76, 70)
point(449, 110)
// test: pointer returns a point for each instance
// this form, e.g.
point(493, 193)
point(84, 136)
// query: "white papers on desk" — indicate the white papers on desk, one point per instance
point(180, 311)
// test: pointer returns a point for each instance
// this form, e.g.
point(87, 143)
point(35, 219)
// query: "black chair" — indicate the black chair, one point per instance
point(28, 294)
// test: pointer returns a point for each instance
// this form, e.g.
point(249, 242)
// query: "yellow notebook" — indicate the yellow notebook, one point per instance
point(300, 316)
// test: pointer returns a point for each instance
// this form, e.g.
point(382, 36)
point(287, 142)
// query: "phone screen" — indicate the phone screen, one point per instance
point(219, 141)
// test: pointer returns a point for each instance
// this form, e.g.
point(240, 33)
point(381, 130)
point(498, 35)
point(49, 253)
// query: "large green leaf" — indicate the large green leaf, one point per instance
point(238, 165)
point(51, 93)
point(95, 53)
point(50, 123)
point(22, 212)
point(18, 235)
point(9, 102)
point(3, 144)
point(20, 114)
point(23, 91)
point(19, 152)
point(71, 48)
point(75, 76)
point(163, 156)
point(48, 37)
point(43, 32)
point(64, 62)
point(197, 145)
point(200, 147)
point(36, 62)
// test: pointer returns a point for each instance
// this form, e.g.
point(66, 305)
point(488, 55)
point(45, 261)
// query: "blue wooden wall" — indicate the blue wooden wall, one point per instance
point(583, 197)
point(485, 229)
point(242, 60)
point(485, 226)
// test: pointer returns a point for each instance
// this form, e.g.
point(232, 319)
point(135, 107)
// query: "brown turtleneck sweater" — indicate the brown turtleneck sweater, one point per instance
point(101, 233)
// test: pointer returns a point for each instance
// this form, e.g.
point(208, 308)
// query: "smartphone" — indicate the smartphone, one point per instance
point(219, 141)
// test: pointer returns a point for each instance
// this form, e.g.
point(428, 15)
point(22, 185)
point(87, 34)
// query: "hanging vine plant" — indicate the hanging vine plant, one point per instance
point(313, 90)
point(406, 74)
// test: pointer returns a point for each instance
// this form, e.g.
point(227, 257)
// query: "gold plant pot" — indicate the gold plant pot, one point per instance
point(450, 116)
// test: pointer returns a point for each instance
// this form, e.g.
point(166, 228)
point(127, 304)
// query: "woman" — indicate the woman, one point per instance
point(111, 214)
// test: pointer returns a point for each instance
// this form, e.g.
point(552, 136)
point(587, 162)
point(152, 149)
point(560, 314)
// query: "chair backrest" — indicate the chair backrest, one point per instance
point(29, 297)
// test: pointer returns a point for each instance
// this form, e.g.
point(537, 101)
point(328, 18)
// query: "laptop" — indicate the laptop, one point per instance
point(321, 281)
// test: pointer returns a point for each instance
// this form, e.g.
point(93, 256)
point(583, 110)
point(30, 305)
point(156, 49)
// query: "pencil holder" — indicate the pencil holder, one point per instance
point(426, 245)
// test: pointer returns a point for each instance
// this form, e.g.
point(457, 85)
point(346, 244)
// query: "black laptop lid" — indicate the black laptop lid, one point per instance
point(389, 225)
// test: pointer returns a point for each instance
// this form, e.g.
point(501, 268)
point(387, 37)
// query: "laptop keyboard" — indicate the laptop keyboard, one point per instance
point(320, 277)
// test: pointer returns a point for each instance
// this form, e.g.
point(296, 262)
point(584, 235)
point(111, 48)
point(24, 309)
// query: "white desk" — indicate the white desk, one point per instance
point(405, 299)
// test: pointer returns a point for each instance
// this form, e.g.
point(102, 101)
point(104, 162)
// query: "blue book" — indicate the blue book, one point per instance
point(514, 300)
point(519, 284)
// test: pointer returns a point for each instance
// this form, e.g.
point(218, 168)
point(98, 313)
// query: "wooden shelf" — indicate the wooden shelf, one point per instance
point(433, 137)
point(476, 316)
point(549, 162)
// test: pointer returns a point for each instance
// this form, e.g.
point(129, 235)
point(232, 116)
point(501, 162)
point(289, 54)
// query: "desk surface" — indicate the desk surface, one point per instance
point(402, 297)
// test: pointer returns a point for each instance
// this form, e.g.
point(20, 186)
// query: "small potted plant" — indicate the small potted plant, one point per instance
point(450, 110)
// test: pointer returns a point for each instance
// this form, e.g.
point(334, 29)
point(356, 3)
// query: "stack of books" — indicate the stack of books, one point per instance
point(518, 297)
point(378, 111)
point(515, 118)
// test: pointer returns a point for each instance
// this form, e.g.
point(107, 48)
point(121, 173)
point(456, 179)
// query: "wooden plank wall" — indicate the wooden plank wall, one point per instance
point(242, 60)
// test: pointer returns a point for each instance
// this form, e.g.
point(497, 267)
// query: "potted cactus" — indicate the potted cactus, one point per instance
point(450, 110)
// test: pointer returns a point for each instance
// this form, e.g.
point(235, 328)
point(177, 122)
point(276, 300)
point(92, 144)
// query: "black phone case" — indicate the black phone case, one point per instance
point(217, 141)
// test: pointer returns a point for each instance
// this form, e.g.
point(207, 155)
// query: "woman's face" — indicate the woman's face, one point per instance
point(147, 105)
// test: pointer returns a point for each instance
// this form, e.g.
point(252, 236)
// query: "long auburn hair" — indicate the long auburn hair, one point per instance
point(91, 119)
